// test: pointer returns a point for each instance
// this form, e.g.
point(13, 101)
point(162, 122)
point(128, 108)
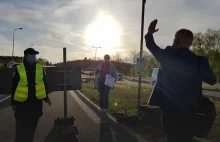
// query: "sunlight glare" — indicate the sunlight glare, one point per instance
point(104, 32)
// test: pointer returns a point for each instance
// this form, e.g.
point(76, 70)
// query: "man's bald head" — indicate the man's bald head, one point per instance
point(183, 38)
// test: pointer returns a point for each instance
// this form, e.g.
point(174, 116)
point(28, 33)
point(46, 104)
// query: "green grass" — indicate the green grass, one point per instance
point(121, 97)
point(125, 97)
point(86, 76)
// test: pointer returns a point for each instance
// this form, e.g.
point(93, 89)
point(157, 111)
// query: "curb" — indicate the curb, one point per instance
point(5, 98)
point(127, 129)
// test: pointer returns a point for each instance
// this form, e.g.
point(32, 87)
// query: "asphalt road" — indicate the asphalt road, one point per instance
point(87, 121)
point(213, 94)
point(216, 86)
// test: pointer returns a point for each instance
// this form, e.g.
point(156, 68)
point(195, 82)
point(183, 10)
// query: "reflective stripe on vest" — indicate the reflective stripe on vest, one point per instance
point(21, 93)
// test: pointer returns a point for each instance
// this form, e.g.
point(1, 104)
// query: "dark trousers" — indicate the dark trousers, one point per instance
point(103, 95)
point(25, 129)
point(177, 127)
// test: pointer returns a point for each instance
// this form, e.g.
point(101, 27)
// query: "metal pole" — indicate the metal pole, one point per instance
point(141, 52)
point(95, 50)
point(95, 53)
point(13, 42)
point(65, 91)
point(13, 46)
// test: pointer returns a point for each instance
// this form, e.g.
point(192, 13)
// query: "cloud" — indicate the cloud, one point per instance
point(10, 13)
point(6, 47)
point(4, 42)
point(73, 6)
point(54, 33)
point(55, 24)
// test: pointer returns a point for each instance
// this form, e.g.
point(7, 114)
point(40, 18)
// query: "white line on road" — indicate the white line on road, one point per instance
point(97, 107)
point(86, 109)
point(5, 98)
point(130, 131)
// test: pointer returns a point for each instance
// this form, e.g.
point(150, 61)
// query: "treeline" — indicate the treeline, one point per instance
point(208, 44)
point(90, 65)
point(7, 61)
point(122, 65)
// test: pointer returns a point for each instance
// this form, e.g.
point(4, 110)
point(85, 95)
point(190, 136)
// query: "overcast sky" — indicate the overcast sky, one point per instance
point(112, 24)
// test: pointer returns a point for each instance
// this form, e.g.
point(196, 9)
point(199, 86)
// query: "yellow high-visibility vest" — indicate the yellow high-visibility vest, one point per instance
point(21, 93)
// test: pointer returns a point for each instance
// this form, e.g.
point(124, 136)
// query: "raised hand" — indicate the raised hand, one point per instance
point(152, 27)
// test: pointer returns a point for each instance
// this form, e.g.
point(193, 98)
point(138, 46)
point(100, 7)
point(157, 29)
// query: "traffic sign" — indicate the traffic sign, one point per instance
point(139, 64)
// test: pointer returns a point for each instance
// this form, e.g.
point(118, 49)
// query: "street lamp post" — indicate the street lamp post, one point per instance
point(14, 41)
point(141, 53)
point(95, 50)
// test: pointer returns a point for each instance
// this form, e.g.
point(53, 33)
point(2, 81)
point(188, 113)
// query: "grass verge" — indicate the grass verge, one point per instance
point(125, 97)
point(87, 76)
point(121, 97)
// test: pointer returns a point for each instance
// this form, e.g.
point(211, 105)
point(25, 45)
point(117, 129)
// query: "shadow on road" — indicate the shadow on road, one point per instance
point(113, 132)
point(51, 136)
point(105, 133)
point(109, 132)
point(55, 136)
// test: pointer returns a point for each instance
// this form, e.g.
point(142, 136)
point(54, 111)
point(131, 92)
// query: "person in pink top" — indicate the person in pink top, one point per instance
point(104, 68)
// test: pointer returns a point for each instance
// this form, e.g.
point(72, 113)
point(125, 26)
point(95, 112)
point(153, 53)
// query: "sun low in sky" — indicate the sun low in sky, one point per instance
point(104, 32)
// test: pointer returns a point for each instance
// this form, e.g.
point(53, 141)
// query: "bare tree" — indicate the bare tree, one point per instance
point(117, 57)
point(126, 60)
point(133, 55)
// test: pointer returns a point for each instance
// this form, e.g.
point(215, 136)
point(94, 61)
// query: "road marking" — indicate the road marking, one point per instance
point(129, 130)
point(97, 107)
point(5, 98)
point(86, 109)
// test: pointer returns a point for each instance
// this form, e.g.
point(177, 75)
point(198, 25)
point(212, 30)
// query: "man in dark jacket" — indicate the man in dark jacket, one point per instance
point(28, 90)
point(179, 82)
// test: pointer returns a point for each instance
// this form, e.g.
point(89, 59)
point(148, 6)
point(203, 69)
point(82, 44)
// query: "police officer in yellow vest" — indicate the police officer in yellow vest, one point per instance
point(28, 90)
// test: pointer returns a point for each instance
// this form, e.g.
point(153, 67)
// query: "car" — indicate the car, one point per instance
point(120, 77)
point(154, 76)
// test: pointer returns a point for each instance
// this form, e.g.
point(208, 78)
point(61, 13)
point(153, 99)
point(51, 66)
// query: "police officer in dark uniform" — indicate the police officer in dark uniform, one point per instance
point(29, 89)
